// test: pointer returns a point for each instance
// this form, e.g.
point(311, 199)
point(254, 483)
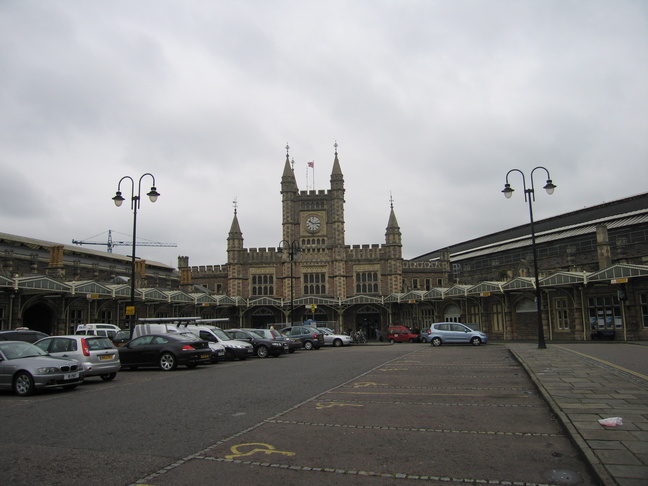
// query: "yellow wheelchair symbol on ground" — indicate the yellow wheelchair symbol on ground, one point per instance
point(256, 447)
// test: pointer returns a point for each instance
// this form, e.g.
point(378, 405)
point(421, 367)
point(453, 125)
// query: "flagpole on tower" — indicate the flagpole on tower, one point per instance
point(311, 165)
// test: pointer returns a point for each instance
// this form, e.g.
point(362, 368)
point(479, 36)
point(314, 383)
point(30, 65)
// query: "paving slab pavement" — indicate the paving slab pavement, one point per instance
point(581, 389)
point(448, 415)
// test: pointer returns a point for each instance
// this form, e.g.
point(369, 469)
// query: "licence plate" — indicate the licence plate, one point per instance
point(71, 376)
point(106, 356)
point(204, 356)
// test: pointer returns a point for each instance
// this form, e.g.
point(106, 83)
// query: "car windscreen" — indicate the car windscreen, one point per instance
point(221, 335)
point(20, 350)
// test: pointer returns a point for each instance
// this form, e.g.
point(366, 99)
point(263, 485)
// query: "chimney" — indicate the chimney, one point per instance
point(603, 247)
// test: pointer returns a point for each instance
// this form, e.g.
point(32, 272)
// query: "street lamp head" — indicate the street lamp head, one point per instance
point(550, 187)
point(153, 195)
point(118, 199)
point(508, 191)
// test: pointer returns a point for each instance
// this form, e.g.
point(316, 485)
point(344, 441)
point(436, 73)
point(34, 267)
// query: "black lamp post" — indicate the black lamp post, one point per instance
point(292, 249)
point(529, 195)
point(135, 204)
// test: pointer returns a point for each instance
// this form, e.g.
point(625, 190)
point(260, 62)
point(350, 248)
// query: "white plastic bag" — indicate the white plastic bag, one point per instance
point(611, 422)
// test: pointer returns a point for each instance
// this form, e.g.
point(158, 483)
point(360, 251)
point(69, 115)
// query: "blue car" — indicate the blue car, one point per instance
point(454, 333)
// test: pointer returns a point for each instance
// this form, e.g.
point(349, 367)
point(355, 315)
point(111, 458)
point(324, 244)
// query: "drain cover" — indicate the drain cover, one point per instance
point(562, 477)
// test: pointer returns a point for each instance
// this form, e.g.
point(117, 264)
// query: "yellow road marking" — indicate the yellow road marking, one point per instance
point(643, 377)
point(367, 383)
point(266, 449)
point(320, 406)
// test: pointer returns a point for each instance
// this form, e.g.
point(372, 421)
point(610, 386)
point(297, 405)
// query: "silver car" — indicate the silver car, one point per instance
point(331, 338)
point(455, 333)
point(97, 354)
point(25, 368)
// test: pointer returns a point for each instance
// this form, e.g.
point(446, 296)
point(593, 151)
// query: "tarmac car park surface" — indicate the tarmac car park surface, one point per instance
point(376, 415)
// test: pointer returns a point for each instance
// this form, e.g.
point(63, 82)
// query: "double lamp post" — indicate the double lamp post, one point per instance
point(135, 204)
point(529, 196)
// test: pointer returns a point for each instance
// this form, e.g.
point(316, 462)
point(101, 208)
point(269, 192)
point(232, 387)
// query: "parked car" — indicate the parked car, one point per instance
point(22, 334)
point(233, 347)
point(164, 350)
point(262, 347)
point(217, 349)
point(401, 334)
point(25, 368)
point(455, 333)
point(308, 336)
point(97, 354)
point(274, 334)
point(121, 338)
point(331, 338)
point(97, 329)
point(424, 334)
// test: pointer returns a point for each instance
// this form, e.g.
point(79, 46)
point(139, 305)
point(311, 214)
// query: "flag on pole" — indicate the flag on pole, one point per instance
point(311, 164)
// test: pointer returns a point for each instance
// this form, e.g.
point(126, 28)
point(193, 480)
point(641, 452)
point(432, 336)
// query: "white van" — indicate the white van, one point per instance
point(97, 329)
point(143, 329)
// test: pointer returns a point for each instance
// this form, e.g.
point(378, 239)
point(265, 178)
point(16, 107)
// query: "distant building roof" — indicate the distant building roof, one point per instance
point(623, 212)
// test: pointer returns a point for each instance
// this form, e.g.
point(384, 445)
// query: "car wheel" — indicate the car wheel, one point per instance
point(229, 355)
point(23, 384)
point(475, 341)
point(391, 340)
point(436, 341)
point(308, 345)
point(292, 350)
point(337, 343)
point(168, 362)
point(412, 340)
point(108, 376)
point(262, 352)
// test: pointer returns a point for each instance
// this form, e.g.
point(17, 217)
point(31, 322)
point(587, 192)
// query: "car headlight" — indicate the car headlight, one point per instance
point(276, 344)
point(47, 370)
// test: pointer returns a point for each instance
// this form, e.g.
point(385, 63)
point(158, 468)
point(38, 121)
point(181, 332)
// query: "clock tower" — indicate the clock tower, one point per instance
point(315, 218)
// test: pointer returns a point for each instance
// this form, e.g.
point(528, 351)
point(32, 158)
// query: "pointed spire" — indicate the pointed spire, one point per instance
point(336, 162)
point(235, 229)
point(288, 171)
point(393, 224)
point(393, 233)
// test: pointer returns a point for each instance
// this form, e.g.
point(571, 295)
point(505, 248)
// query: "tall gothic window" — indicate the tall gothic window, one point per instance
point(262, 285)
point(314, 283)
point(366, 282)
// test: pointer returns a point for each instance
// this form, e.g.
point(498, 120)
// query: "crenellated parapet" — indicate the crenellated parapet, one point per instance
point(363, 252)
point(261, 255)
point(208, 269)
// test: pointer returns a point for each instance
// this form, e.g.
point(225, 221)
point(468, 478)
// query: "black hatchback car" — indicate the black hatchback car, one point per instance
point(310, 337)
point(166, 351)
point(262, 347)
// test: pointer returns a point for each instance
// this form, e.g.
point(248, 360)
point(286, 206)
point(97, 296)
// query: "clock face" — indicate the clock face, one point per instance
point(313, 224)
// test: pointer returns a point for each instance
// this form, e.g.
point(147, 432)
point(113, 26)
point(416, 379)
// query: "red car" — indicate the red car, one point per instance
point(401, 334)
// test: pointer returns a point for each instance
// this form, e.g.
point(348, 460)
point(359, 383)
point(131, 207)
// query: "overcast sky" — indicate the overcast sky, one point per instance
point(431, 102)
